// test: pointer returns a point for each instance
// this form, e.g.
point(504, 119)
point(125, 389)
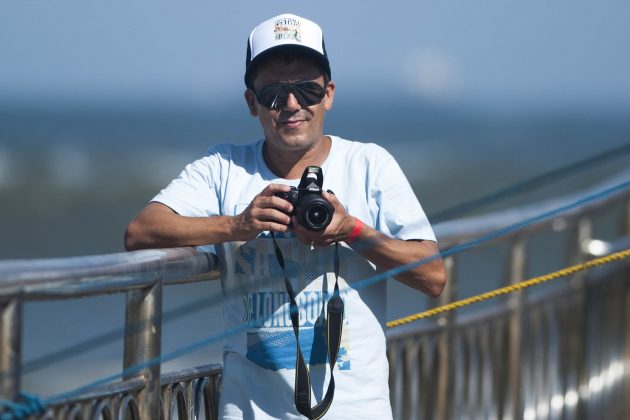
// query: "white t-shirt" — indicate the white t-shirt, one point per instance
point(259, 357)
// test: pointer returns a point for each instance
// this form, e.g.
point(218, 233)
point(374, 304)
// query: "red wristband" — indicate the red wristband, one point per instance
point(355, 232)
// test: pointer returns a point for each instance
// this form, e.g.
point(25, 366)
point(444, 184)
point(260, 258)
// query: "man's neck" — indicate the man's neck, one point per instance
point(291, 164)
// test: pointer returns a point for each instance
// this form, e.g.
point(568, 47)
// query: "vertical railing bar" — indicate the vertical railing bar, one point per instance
point(10, 348)
point(540, 347)
point(498, 368)
point(458, 368)
point(502, 378)
point(166, 401)
point(445, 372)
point(625, 321)
point(413, 370)
point(395, 380)
point(216, 393)
point(556, 337)
point(533, 351)
point(478, 401)
point(182, 412)
point(584, 233)
point(594, 359)
point(479, 360)
point(429, 355)
point(612, 347)
point(461, 369)
point(565, 359)
point(143, 335)
point(425, 387)
point(546, 365)
point(189, 392)
point(486, 389)
point(406, 374)
point(527, 370)
point(516, 267)
point(470, 368)
point(625, 386)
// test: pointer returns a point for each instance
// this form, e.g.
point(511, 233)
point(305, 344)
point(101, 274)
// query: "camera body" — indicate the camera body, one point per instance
point(312, 210)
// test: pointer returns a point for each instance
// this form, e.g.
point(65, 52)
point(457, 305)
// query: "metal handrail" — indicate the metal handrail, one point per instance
point(93, 275)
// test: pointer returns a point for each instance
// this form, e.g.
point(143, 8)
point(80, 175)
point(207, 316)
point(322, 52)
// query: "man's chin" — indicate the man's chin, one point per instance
point(296, 139)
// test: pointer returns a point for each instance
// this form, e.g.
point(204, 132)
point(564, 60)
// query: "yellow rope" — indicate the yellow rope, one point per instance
point(513, 288)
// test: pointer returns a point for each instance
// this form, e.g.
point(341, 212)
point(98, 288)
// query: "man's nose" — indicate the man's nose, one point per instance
point(292, 103)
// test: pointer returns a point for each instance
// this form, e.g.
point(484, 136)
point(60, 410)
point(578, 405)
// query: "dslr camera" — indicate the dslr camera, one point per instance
point(311, 209)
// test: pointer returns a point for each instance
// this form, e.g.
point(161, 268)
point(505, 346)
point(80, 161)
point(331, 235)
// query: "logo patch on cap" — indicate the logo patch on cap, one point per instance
point(288, 29)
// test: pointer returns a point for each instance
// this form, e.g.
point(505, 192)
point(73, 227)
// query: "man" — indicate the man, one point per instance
point(229, 198)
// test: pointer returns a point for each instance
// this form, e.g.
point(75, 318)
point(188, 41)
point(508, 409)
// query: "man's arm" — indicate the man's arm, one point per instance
point(385, 252)
point(159, 226)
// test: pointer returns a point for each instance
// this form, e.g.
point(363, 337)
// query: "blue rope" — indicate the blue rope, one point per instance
point(29, 405)
point(529, 184)
point(358, 285)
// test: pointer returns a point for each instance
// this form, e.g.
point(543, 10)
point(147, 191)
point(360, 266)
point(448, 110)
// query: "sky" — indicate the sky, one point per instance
point(486, 52)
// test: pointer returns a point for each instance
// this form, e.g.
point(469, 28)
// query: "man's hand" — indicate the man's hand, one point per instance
point(265, 212)
point(159, 226)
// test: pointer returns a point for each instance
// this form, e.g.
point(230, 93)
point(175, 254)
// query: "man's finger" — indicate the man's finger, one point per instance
point(272, 215)
point(276, 227)
point(332, 199)
point(272, 188)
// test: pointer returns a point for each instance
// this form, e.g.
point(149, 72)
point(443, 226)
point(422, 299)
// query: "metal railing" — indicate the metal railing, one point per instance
point(563, 353)
point(141, 275)
point(485, 366)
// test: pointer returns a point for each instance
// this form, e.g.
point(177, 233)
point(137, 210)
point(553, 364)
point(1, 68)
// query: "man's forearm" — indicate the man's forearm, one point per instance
point(159, 227)
point(387, 253)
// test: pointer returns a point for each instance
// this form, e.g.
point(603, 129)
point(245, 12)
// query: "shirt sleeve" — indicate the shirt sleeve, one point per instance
point(194, 193)
point(400, 214)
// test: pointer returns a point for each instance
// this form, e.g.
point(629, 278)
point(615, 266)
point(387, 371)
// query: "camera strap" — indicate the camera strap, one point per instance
point(334, 325)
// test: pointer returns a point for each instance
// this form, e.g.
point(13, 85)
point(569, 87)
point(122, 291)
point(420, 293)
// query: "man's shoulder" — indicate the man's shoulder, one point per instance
point(360, 149)
point(231, 150)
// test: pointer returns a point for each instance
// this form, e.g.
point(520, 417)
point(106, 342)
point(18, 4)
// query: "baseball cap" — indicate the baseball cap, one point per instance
point(286, 31)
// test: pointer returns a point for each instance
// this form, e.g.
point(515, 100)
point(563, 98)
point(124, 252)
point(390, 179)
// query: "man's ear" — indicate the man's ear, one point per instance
point(330, 96)
point(251, 102)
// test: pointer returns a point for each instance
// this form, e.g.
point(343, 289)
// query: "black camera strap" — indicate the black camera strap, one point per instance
point(334, 325)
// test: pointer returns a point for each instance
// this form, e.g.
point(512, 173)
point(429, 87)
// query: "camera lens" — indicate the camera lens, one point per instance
point(314, 212)
point(317, 216)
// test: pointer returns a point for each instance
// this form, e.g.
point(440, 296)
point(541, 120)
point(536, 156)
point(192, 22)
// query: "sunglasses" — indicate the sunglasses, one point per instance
point(276, 95)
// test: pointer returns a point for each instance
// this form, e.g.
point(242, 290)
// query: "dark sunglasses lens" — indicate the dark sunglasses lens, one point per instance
point(273, 96)
point(309, 93)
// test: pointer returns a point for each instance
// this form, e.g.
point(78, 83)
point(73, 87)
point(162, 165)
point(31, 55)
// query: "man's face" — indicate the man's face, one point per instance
point(293, 127)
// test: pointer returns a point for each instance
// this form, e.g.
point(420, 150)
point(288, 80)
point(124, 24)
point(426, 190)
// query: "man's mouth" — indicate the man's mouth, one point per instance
point(292, 123)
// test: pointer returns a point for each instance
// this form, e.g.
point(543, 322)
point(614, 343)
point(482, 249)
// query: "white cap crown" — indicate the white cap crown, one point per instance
point(286, 30)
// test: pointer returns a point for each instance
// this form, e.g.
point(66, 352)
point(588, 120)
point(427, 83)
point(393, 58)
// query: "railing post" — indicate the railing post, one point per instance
point(516, 266)
point(143, 336)
point(626, 352)
point(10, 348)
point(445, 368)
point(577, 335)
